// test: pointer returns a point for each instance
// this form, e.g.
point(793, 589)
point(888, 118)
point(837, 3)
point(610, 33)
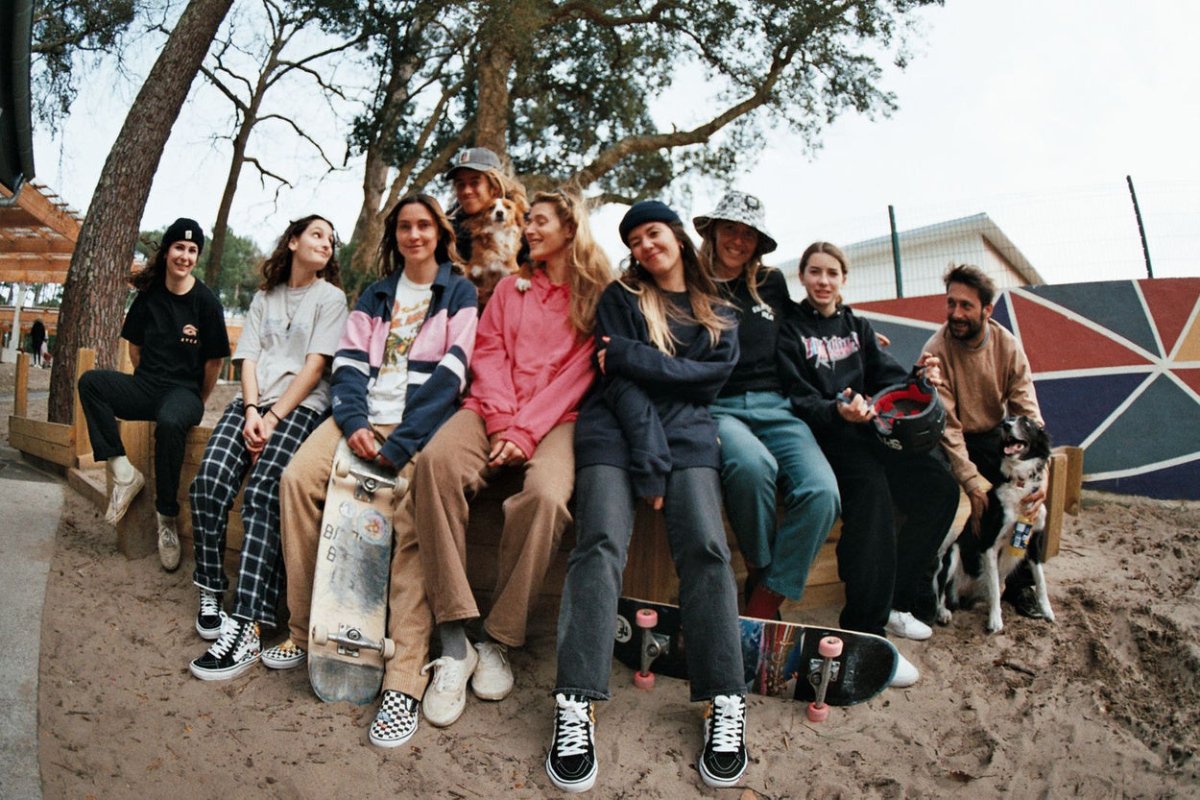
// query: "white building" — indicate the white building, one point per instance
point(925, 254)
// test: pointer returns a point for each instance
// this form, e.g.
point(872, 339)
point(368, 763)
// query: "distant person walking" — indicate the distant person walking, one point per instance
point(177, 342)
point(37, 340)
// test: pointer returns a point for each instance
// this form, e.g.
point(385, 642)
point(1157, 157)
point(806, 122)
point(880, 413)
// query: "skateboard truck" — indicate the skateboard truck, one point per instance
point(821, 672)
point(653, 646)
point(351, 640)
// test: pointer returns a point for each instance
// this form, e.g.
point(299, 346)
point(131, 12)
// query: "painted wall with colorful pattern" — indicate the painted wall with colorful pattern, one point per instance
point(1117, 370)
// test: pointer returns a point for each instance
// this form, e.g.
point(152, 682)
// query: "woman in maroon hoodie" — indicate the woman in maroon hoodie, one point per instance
point(531, 368)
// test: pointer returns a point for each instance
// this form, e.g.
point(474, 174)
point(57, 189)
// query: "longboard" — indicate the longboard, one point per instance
point(347, 624)
point(820, 665)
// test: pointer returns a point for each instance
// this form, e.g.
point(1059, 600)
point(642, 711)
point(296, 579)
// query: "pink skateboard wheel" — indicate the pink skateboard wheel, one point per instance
point(830, 647)
point(646, 618)
point(643, 680)
point(817, 713)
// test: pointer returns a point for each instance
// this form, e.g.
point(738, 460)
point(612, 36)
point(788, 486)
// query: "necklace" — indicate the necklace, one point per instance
point(290, 308)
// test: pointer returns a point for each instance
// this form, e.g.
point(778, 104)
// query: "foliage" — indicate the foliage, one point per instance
point(240, 264)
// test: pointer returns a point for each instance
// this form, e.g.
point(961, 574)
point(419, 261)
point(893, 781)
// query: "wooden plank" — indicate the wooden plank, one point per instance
point(55, 433)
point(1055, 502)
point(137, 533)
point(55, 453)
point(21, 387)
point(84, 361)
point(1073, 498)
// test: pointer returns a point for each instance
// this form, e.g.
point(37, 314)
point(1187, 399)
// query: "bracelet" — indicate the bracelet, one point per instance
point(248, 406)
point(277, 417)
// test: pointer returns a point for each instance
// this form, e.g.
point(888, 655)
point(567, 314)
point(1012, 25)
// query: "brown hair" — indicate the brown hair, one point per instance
point(588, 267)
point(389, 254)
point(977, 279)
point(277, 267)
point(701, 288)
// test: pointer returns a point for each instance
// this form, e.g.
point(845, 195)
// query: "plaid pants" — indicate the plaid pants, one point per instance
point(226, 461)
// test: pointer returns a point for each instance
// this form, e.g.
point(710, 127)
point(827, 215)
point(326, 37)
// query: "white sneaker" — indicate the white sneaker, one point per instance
point(906, 674)
point(446, 696)
point(493, 678)
point(168, 543)
point(905, 625)
point(122, 496)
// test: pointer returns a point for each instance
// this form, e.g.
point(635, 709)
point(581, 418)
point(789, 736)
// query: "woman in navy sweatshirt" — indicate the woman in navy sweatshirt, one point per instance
point(665, 346)
point(832, 365)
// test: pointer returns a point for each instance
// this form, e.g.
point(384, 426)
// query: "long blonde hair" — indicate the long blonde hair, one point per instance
point(588, 268)
point(702, 293)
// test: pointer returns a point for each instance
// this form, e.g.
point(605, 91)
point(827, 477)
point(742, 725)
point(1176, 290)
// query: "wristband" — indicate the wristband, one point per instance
point(248, 406)
point(277, 417)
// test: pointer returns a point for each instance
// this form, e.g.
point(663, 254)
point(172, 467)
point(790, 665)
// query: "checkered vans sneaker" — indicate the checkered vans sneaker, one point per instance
point(396, 721)
point(284, 656)
point(236, 651)
point(571, 762)
point(723, 760)
point(210, 617)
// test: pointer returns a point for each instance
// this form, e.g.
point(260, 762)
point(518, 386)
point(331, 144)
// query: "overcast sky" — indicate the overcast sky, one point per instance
point(1033, 112)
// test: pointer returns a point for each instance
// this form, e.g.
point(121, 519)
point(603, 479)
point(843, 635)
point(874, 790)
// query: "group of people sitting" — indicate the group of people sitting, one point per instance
point(690, 382)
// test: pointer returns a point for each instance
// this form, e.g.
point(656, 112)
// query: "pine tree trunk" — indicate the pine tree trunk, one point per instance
point(96, 288)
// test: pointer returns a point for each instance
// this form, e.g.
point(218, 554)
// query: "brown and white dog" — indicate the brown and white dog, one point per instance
point(976, 569)
point(495, 243)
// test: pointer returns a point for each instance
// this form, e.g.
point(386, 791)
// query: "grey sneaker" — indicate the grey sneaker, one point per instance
point(493, 678)
point(446, 696)
point(122, 495)
point(168, 543)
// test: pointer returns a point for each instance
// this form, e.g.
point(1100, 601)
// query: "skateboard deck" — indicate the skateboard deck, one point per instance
point(347, 624)
point(780, 659)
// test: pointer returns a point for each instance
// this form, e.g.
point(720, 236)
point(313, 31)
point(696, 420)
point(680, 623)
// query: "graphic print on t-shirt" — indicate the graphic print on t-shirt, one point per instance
point(827, 351)
point(386, 395)
point(406, 321)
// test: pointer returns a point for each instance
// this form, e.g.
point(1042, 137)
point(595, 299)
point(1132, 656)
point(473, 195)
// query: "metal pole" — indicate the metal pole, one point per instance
point(1137, 212)
point(896, 251)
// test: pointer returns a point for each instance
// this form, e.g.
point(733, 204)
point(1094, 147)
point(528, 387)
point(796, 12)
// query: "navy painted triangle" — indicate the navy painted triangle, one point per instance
point(1001, 311)
point(1163, 423)
point(1073, 407)
point(1111, 304)
point(907, 340)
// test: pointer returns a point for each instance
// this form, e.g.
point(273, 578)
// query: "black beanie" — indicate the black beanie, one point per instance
point(184, 230)
point(643, 212)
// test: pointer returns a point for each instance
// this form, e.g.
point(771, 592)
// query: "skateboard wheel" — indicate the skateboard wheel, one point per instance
point(830, 647)
point(319, 635)
point(389, 648)
point(817, 713)
point(342, 467)
point(646, 618)
point(643, 680)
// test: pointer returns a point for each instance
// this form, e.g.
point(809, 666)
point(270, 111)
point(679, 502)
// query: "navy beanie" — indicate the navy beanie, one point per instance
point(184, 230)
point(643, 212)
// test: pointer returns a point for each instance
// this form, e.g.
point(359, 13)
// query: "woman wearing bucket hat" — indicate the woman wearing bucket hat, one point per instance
point(177, 342)
point(832, 364)
point(766, 451)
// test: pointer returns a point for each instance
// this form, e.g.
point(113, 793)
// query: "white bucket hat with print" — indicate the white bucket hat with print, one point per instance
point(739, 207)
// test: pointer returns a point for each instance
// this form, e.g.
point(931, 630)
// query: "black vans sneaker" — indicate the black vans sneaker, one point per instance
point(235, 652)
point(723, 760)
point(210, 616)
point(571, 762)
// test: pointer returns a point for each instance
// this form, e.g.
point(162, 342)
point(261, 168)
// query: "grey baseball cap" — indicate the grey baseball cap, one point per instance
point(739, 207)
point(476, 158)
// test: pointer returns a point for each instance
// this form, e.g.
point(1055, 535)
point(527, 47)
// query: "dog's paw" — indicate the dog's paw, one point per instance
point(524, 284)
point(994, 625)
point(1048, 614)
point(944, 616)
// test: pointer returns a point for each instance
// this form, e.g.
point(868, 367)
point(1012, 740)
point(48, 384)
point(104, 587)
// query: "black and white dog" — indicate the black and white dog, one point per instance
point(973, 568)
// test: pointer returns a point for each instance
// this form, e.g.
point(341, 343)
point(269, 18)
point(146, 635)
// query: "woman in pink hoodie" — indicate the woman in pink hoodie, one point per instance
point(533, 363)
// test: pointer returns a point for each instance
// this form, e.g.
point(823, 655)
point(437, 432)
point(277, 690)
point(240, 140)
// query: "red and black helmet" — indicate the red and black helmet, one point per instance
point(909, 416)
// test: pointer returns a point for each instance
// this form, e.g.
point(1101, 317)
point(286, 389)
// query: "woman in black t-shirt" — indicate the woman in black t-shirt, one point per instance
point(177, 342)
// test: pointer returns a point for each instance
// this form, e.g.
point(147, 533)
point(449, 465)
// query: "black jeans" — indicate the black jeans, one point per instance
point(886, 569)
point(986, 451)
point(107, 396)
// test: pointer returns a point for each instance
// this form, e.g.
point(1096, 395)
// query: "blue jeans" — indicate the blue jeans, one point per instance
point(587, 620)
point(765, 448)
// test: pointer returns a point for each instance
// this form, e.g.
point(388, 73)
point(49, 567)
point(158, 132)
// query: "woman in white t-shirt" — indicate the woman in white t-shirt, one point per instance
point(287, 344)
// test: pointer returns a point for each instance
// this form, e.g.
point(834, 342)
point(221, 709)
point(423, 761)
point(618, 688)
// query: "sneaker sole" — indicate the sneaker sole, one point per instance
point(222, 674)
point(491, 696)
point(390, 743)
point(438, 723)
point(582, 785)
point(913, 637)
point(719, 783)
point(291, 663)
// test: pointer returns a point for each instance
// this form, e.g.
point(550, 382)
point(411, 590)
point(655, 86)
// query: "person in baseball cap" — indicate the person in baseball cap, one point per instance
point(479, 179)
point(479, 159)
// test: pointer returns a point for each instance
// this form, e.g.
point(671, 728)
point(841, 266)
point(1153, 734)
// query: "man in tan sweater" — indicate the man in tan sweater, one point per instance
point(985, 377)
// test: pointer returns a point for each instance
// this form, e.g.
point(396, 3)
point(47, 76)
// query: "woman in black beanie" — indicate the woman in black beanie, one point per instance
point(177, 342)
